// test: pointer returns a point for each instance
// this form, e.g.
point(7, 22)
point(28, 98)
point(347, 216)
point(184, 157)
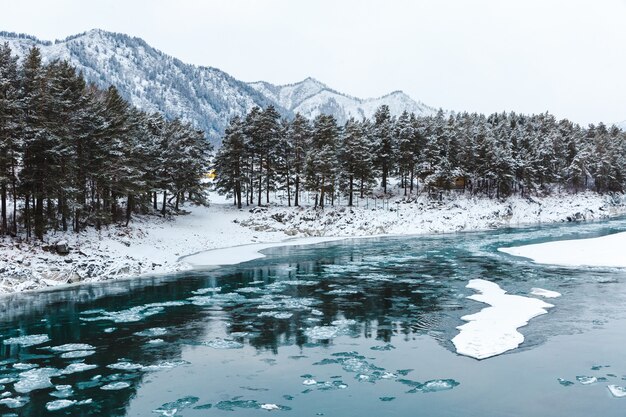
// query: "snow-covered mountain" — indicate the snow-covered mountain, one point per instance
point(205, 96)
point(311, 97)
point(150, 79)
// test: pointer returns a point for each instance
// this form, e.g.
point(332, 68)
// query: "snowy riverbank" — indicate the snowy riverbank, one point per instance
point(154, 245)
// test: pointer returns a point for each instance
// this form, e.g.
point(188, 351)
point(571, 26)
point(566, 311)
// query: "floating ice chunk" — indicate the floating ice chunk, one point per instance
point(68, 347)
point(16, 402)
point(125, 366)
point(586, 380)
point(343, 291)
point(129, 315)
point(564, 382)
point(540, 292)
point(270, 407)
point(7, 380)
point(115, 386)
point(77, 354)
point(63, 391)
point(30, 340)
point(156, 341)
point(493, 330)
point(24, 366)
point(5, 394)
point(153, 332)
point(110, 329)
point(34, 379)
point(436, 385)
point(343, 322)
point(165, 364)
point(309, 381)
point(219, 343)
point(77, 367)
point(59, 404)
point(617, 391)
point(172, 408)
point(276, 314)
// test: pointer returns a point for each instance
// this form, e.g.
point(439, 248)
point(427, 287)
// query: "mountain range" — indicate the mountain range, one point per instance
point(205, 96)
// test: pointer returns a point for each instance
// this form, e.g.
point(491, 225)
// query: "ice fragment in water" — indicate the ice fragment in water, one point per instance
point(77, 354)
point(153, 332)
point(172, 408)
point(30, 340)
point(155, 341)
point(16, 402)
point(59, 404)
point(68, 347)
point(436, 385)
point(276, 314)
point(270, 407)
point(35, 379)
point(617, 391)
point(63, 391)
point(540, 292)
point(564, 382)
point(165, 364)
point(114, 386)
point(77, 367)
point(322, 332)
point(309, 382)
point(586, 380)
point(125, 366)
point(24, 366)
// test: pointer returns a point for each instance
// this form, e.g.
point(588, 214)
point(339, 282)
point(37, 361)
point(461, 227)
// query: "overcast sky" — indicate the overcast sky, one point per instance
point(567, 57)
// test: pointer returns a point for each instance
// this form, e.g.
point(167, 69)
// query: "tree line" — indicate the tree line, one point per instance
point(73, 155)
point(494, 156)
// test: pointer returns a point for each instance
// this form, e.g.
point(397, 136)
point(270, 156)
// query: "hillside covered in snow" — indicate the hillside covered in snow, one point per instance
point(312, 98)
point(207, 97)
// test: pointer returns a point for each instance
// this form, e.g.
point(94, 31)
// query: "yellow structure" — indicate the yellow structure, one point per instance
point(210, 175)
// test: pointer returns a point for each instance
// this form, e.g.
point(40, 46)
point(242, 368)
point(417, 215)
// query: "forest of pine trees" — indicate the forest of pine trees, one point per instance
point(73, 155)
point(493, 156)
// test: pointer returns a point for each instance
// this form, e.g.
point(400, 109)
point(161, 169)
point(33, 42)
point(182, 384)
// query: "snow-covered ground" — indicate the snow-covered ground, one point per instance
point(153, 244)
point(601, 251)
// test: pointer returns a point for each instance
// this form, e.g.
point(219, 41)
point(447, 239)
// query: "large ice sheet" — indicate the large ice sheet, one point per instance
point(600, 251)
point(493, 330)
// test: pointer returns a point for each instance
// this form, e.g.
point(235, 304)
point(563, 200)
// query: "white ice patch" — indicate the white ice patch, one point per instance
point(153, 332)
point(68, 347)
point(493, 330)
point(600, 251)
point(16, 402)
point(540, 292)
point(59, 404)
point(35, 379)
point(30, 340)
point(114, 386)
point(77, 367)
point(77, 354)
point(617, 391)
point(270, 407)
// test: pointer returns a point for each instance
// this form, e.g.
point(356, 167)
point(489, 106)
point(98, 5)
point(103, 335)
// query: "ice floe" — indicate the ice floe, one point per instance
point(115, 386)
point(586, 380)
point(617, 391)
point(68, 347)
point(77, 367)
point(30, 340)
point(74, 354)
point(493, 330)
point(540, 292)
point(153, 332)
point(34, 379)
point(600, 251)
point(59, 404)
point(16, 402)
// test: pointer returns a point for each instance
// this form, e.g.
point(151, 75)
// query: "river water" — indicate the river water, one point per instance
point(349, 328)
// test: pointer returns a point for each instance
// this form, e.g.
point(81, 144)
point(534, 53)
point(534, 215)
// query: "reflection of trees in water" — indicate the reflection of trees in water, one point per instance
point(381, 309)
point(60, 319)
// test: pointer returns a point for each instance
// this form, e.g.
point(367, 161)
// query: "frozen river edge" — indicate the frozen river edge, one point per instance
point(157, 245)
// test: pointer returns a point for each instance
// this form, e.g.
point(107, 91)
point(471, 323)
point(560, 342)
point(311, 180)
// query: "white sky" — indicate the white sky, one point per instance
point(568, 57)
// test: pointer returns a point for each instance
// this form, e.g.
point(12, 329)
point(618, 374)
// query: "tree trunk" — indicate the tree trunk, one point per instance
point(39, 223)
point(177, 201)
point(154, 201)
point(27, 215)
point(351, 190)
point(129, 208)
point(322, 193)
point(164, 202)
point(3, 198)
point(297, 197)
point(288, 192)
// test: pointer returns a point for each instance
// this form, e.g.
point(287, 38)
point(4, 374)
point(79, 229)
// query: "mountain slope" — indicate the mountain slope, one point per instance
point(205, 96)
point(150, 79)
point(311, 97)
